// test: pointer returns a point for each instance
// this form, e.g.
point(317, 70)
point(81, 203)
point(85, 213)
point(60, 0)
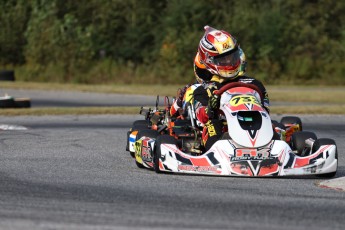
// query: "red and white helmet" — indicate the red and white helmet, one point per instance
point(220, 53)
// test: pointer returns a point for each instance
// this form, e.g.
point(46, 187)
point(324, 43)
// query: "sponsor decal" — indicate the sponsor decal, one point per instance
point(252, 154)
point(137, 149)
point(256, 168)
point(210, 129)
point(226, 46)
point(146, 153)
point(143, 150)
point(248, 80)
point(198, 168)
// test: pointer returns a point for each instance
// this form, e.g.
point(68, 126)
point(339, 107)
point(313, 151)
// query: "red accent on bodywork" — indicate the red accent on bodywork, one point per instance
point(161, 167)
point(200, 161)
point(241, 169)
point(267, 170)
point(300, 162)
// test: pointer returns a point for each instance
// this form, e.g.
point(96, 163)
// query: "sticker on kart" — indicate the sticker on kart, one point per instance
point(244, 102)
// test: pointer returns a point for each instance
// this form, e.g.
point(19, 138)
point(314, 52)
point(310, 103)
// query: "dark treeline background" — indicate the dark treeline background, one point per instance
point(154, 41)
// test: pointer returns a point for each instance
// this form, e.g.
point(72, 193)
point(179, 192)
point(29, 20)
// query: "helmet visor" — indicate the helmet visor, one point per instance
point(229, 59)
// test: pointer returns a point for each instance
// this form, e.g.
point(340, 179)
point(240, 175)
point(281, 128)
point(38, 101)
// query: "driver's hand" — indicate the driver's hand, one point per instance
point(212, 106)
point(213, 102)
point(180, 95)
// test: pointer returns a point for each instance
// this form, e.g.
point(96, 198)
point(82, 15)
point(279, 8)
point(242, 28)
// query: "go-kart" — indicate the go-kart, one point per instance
point(251, 145)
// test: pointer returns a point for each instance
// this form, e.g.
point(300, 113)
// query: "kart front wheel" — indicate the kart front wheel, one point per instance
point(325, 141)
point(141, 124)
point(137, 125)
point(298, 141)
point(163, 139)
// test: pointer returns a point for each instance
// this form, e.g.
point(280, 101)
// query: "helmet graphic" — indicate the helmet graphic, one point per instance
point(219, 52)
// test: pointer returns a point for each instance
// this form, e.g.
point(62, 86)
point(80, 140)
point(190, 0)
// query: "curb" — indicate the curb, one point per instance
point(335, 184)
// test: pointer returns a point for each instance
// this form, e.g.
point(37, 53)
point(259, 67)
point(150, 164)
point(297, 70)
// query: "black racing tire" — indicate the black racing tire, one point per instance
point(7, 75)
point(22, 102)
point(7, 103)
point(148, 133)
point(278, 124)
point(127, 143)
point(298, 140)
point(141, 124)
point(137, 125)
point(325, 141)
point(275, 124)
point(162, 139)
point(139, 165)
point(276, 136)
point(292, 120)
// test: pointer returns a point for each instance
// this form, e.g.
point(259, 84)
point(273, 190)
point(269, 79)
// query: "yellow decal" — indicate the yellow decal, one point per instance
point(244, 99)
point(226, 46)
point(209, 94)
point(189, 94)
point(137, 150)
point(216, 78)
point(210, 129)
point(296, 128)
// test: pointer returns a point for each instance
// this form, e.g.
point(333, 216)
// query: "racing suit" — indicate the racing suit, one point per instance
point(212, 128)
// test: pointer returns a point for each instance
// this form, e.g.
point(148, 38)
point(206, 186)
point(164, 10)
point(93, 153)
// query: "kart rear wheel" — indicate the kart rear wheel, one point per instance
point(298, 141)
point(291, 120)
point(147, 133)
point(325, 141)
point(163, 139)
point(278, 124)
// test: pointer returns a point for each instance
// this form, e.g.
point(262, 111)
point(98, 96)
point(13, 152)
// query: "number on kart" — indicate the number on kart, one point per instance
point(238, 100)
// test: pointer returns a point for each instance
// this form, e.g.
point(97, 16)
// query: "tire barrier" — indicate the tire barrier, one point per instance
point(7, 75)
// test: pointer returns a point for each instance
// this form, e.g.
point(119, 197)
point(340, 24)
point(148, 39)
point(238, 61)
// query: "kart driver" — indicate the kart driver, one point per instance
point(219, 61)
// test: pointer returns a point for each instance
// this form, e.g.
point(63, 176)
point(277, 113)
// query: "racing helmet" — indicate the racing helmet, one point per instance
point(200, 71)
point(219, 52)
point(243, 62)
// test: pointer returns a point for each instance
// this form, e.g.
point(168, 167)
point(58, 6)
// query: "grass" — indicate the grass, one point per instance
point(69, 111)
point(321, 99)
point(168, 90)
point(339, 110)
point(315, 94)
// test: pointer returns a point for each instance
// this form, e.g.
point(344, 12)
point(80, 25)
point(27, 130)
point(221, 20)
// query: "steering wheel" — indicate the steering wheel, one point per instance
point(239, 84)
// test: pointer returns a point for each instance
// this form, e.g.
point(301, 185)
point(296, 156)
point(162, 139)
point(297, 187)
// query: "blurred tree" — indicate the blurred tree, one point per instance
point(13, 23)
point(284, 41)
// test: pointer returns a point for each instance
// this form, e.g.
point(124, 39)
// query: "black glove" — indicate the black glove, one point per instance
point(213, 102)
point(180, 95)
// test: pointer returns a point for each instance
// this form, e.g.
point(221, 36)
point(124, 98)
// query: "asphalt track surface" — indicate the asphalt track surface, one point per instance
point(72, 172)
point(52, 98)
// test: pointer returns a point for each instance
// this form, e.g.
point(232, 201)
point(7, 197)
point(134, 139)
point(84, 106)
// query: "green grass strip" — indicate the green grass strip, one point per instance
point(135, 110)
